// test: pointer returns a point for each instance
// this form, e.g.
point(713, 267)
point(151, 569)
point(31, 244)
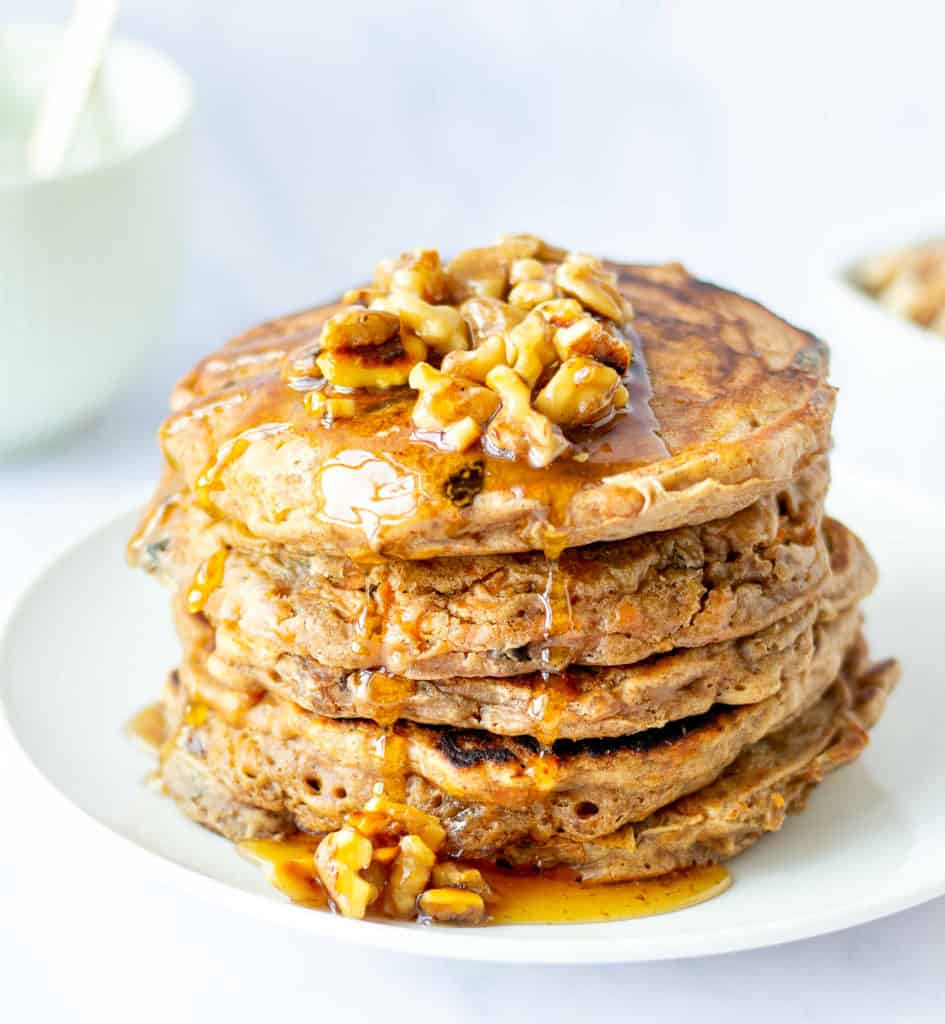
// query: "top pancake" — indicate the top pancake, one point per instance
point(727, 403)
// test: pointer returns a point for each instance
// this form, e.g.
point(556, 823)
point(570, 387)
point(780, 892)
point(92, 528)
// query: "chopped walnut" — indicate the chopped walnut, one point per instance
point(386, 855)
point(441, 327)
point(530, 348)
point(517, 430)
point(594, 339)
point(409, 876)
point(479, 273)
point(452, 906)
point(528, 269)
point(383, 815)
point(504, 345)
point(528, 294)
point(561, 312)
point(586, 279)
point(453, 874)
point(582, 391)
point(457, 407)
point(476, 364)
point(385, 366)
point(339, 860)
point(487, 318)
point(420, 272)
point(357, 348)
point(357, 327)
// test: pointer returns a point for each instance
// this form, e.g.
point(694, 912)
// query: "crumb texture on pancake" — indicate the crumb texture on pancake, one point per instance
point(750, 797)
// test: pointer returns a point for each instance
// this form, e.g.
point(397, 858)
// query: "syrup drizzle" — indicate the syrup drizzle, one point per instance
point(207, 578)
point(521, 896)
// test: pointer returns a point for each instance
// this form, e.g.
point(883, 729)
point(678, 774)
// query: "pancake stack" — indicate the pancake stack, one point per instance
point(533, 542)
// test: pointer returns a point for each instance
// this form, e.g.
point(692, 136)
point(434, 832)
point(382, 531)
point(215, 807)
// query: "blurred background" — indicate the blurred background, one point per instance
point(744, 139)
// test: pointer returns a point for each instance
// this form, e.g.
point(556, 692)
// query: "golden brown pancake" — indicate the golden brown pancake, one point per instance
point(577, 703)
point(727, 403)
point(751, 797)
point(280, 757)
point(606, 604)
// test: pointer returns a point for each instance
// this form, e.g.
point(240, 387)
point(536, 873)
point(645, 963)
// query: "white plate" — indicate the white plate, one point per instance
point(90, 642)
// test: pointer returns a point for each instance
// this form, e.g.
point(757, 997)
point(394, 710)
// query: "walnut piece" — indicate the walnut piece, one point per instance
point(487, 318)
point(591, 338)
point(357, 327)
point(517, 430)
point(452, 906)
point(441, 327)
point(386, 855)
point(453, 405)
point(453, 874)
point(339, 860)
point(582, 391)
point(409, 876)
point(586, 279)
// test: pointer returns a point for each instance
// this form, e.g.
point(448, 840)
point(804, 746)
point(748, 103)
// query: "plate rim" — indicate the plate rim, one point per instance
point(473, 946)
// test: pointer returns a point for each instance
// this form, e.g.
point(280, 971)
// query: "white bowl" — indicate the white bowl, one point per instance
point(890, 372)
point(91, 258)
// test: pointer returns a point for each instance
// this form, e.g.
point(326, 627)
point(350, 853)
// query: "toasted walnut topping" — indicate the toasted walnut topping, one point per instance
point(453, 405)
point(594, 339)
point(530, 348)
point(487, 318)
point(585, 278)
point(515, 339)
point(476, 364)
point(581, 391)
point(441, 327)
point(409, 876)
point(339, 860)
point(358, 327)
point(385, 366)
point(561, 312)
point(528, 294)
point(517, 430)
point(528, 270)
point(420, 272)
point(479, 273)
point(386, 854)
point(453, 906)
point(383, 815)
point(453, 874)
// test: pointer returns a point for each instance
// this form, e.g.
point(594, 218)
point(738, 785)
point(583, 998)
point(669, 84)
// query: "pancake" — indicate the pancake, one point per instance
point(277, 756)
point(492, 616)
point(751, 797)
point(577, 703)
point(727, 403)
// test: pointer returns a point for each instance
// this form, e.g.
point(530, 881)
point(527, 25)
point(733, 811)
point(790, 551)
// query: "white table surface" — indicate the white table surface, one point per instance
point(732, 135)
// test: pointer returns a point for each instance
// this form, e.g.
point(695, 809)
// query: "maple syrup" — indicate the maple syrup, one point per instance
point(520, 897)
point(207, 578)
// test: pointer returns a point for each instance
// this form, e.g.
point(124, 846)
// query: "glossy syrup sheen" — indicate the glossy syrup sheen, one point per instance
point(375, 471)
point(520, 897)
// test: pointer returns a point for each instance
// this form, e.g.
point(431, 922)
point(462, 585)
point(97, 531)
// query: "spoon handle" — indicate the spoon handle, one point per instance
point(83, 47)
